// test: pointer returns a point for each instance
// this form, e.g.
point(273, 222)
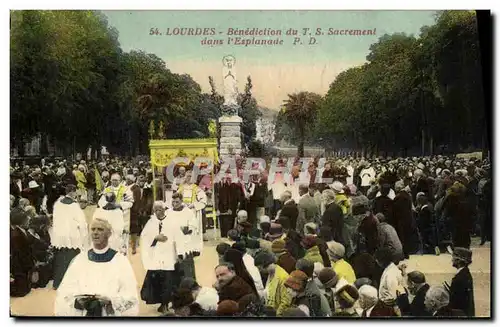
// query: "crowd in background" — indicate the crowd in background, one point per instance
point(332, 247)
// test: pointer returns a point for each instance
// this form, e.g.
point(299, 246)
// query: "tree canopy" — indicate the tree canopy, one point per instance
point(412, 92)
point(72, 83)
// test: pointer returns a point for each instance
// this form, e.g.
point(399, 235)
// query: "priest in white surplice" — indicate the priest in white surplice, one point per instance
point(69, 232)
point(195, 199)
point(114, 215)
point(188, 223)
point(160, 254)
point(99, 282)
point(124, 198)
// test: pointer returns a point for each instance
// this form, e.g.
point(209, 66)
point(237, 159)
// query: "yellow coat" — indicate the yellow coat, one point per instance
point(344, 270)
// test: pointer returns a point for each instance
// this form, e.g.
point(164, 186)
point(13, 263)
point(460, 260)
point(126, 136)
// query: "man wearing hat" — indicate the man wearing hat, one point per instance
point(462, 286)
point(328, 279)
point(278, 296)
point(275, 232)
point(35, 194)
point(296, 284)
point(333, 216)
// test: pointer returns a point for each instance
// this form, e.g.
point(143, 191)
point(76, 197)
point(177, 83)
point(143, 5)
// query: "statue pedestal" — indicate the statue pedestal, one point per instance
point(230, 135)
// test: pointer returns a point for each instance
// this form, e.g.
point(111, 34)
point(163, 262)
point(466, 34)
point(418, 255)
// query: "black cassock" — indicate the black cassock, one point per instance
point(462, 292)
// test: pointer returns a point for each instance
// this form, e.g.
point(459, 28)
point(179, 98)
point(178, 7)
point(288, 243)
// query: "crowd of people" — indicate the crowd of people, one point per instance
point(335, 245)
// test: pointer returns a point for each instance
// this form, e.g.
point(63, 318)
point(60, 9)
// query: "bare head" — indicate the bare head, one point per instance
point(368, 296)
point(115, 180)
point(303, 189)
point(130, 179)
point(436, 298)
point(285, 196)
point(105, 176)
point(177, 201)
point(100, 232)
point(159, 209)
point(224, 273)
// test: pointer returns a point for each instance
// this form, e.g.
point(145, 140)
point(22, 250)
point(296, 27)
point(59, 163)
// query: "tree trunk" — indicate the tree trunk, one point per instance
point(20, 147)
point(431, 145)
point(44, 146)
point(300, 149)
point(423, 142)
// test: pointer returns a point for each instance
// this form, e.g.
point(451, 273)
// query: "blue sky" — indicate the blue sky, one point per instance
point(275, 70)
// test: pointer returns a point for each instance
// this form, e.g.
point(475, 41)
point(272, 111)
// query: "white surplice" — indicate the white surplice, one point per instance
point(70, 228)
point(114, 279)
point(199, 204)
point(163, 255)
point(185, 218)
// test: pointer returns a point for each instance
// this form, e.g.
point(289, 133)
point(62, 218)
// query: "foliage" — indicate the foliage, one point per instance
point(411, 90)
point(71, 82)
point(300, 110)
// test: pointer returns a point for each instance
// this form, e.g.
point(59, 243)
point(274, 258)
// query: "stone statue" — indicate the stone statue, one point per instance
point(152, 129)
point(161, 131)
point(230, 87)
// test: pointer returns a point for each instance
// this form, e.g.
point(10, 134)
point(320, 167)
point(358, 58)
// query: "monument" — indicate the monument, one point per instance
point(230, 122)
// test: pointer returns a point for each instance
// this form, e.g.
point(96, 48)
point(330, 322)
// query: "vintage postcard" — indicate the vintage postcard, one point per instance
point(250, 164)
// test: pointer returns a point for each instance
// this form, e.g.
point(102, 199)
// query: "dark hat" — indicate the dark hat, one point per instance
point(278, 246)
point(189, 284)
point(233, 235)
point(181, 298)
point(463, 254)
point(275, 231)
point(347, 296)
point(245, 225)
point(221, 248)
point(308, 241)
point(240, 246)
point(264, 259)
point(328, 277)
point(227, 308)
point(297, 280)
point(416, 277)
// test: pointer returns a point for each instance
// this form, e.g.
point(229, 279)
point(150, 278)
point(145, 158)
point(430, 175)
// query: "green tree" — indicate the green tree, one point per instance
point(300, 110)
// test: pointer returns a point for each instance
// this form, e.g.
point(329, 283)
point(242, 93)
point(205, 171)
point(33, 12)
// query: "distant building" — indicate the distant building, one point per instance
point(265, 130)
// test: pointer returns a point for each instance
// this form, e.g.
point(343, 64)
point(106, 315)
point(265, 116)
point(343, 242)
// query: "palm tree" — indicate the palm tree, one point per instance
point(300, 111)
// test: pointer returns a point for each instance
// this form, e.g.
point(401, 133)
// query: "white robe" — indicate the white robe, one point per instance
point(249, 263)
point(185, 217)
point(126, 203)
point(115, 218)
point(163, 255)
point(199, 205)
point(70, 228)
point(114, 279)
